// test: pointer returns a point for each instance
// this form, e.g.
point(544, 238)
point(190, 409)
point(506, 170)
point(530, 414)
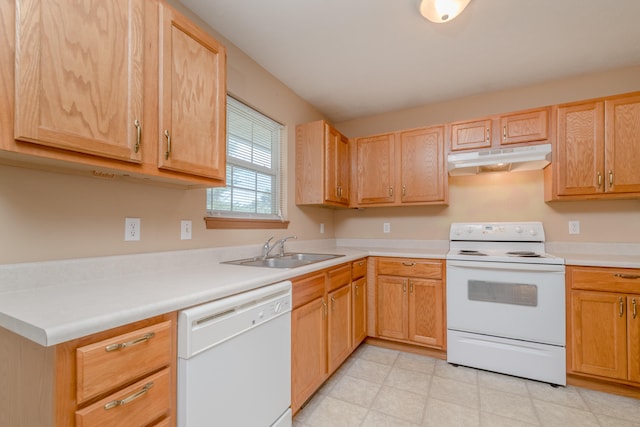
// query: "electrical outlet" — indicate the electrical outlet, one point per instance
point(574, 227)
point(185, 230)
point(386, 227)
point(131, 229)
point(321, 228)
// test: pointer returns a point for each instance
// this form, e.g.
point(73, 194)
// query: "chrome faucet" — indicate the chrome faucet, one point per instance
point(267, 247)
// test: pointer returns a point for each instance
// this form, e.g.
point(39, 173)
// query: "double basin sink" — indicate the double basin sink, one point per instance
point(288, 260)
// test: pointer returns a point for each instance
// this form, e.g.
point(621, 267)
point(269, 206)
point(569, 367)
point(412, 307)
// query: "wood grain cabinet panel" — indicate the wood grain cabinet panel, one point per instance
point(340, 320)
point(471, 135)
point(525, 127)
point(422, 165)
point(375, 169)
point(79, 76)
point(192, 98)
point(622, 144)
point(604, 328)
point(426, 303)
point(359, 297)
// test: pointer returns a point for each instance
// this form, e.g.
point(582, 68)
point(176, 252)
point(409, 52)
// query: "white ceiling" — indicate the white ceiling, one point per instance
point(355, 58)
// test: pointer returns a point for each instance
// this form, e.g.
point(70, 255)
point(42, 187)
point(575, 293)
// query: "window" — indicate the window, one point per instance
point(254, 187)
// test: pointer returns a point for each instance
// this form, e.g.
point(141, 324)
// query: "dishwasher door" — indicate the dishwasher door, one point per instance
point(234, 360)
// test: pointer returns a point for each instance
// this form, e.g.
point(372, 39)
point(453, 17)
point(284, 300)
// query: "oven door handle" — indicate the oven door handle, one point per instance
point(481, 265)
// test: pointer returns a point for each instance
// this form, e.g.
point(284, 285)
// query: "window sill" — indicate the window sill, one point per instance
point(246, 224)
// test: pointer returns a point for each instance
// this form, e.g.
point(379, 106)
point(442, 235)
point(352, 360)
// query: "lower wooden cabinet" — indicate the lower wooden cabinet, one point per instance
point(410, 301)
point(604, 323)
point(322, 326)
point(123, 376)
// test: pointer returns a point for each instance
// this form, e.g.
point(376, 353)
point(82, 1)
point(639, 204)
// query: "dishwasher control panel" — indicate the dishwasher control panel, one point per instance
point(210, 324)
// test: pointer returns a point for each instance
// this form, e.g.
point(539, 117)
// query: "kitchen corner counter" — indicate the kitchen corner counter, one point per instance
point(617, 255)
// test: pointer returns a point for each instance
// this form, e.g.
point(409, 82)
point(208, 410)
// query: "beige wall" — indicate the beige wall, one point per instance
point(499, 196)
point(48, 216)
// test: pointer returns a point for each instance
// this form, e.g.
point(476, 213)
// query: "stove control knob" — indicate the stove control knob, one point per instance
point(519, 229)
point(457, 231)
point(533, 232)
point(469, 230)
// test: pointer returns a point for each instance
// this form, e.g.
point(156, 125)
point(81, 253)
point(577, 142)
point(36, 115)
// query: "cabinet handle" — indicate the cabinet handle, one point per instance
point(404, 287)
point(410, 287)
point(339, 191)
point(488, 136)
point(144, 338)
point(356, 289)
point(333, 304)
point(408, 264)
point(633, 303)
point(136, 123)
point(128, 399)
point(168, 136)
point(404, 190)
point(324, 310)
point(627, 276)
point(610, 179)
point(599, 179)
point(390, 191)
point(621, 302)
point(504, 132)
point(361, 263)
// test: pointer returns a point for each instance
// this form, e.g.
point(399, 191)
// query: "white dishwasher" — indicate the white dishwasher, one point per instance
point(234, 360)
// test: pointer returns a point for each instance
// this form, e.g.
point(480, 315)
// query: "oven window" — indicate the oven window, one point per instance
point(503, 293)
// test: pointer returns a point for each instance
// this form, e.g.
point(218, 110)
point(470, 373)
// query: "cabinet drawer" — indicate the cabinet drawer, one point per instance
point(110, 363)
point(411, 267)
point(605, 279)
point(358, 269)
point(307, 288)
point(339, 277)
point(137, 405)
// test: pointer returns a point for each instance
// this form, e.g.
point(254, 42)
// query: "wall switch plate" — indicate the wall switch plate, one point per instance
point(321, 228)
point(574, 227)
point(131, 229)
point(185, 230)
point(386, 227)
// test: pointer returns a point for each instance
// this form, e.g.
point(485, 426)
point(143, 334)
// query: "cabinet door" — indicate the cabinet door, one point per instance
point(192, 98)
point(622, 145)
point(426, 312)
point(359, 297)
point(422, 165)
point(599, 335)
point(580, 149)
point(468, 135)
point(633, 333)
point(340, 318)
point(336, 175)
point(375, 169)
point(79, 76)
point(393, 319)
point(525, 127)
point(308, 351)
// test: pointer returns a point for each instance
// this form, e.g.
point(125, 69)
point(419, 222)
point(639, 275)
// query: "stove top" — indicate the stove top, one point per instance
point(521, 242)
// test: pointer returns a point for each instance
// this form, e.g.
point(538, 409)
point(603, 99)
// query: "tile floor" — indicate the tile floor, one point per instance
point(382, 387)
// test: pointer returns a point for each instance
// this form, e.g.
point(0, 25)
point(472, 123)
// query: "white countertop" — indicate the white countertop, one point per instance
point(57, 301)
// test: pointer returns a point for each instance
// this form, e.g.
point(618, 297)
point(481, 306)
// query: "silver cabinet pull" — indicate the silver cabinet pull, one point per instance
point(488, 136)
point(404, 190)
point(136, 123)
point(168, 136)
point(408, 264)
point(504, 132)
point(610, 179)
point(599, 179)
point(356, 289)
point(633, 303)
point(390, 191)
point(621, 302)
point(627, 276)
point(324, 310)
point(144, 338)
point(410, 287)
point(333, 304)
point(361, 263)
point(404, 286)
point(339, 191)
point(128, 399)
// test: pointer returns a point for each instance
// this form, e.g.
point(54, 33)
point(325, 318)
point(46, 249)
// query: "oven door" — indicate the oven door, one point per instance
point(510, 300)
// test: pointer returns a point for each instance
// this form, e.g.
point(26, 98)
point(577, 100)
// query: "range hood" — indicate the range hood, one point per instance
point(500, 160)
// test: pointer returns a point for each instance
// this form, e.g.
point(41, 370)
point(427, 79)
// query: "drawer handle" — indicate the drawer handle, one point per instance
point(128, 399)
point(627, 276)
point(633, 303)
point(144, 338)
point(621, 302)
point(168, 136)
point(136, 123)
point(361, 263)
point(408, 264)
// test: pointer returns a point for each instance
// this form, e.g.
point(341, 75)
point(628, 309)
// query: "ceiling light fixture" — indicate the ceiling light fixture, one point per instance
point(440, 11)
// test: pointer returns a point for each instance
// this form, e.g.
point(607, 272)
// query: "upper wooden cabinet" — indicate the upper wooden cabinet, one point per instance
point(597, 154)
point(323, 165)
point(402, 168)
point(73, 92)
point(192, 98)
point(525, 127)
point(92, 87)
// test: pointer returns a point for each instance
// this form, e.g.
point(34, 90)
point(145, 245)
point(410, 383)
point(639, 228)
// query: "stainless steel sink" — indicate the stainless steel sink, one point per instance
point(288, 260)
